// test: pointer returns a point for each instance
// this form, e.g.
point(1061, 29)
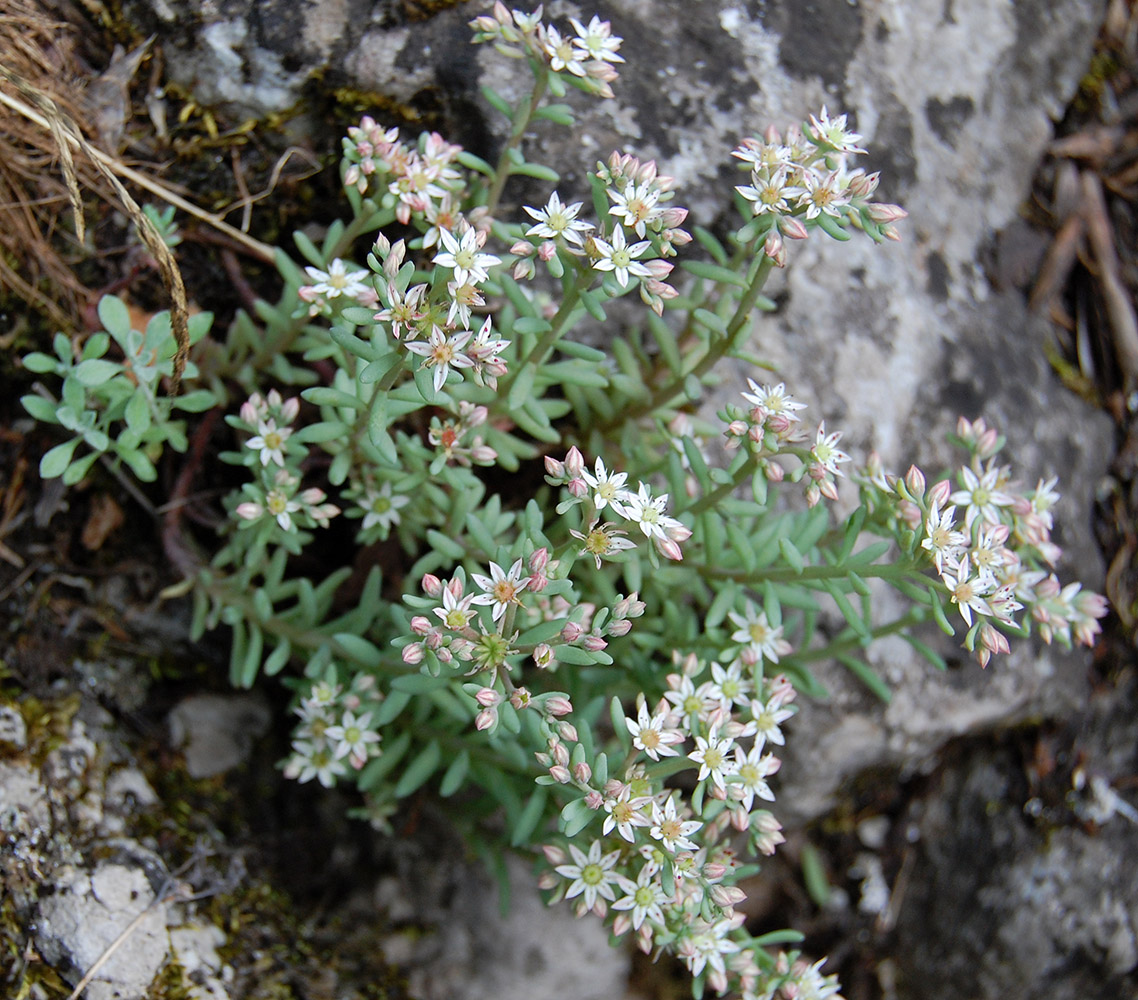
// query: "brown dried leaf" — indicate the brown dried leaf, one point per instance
point(106, 517)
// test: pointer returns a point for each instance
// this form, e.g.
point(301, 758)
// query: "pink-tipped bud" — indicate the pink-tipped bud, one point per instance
point(939, 493)
point(558, 705)
point(487, 697)
point(421, 625)
point(620, 628)
point(554, 855)
point(413, 654)
point(539, 560)
point(668, 549)
point(774, 472)
point(486, 719)
point(571, 632)
point(567, 731)
point(521, 698)
point(792, 229)
point(727, 896)
point(915, 482)
point(543, 657)
point(559, 752)
point(560, 774)
point(882, 213)
point(547, 250)
point(574, 463)
point(582, 772)
point(577, 488)
point(713, 871)
point(775, 249)
point(521, 249)
point(554, 469)
point(594, 643)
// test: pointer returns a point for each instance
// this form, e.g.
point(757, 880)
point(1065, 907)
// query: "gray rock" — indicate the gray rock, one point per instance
point(85, 917)
point(473, 951)
point(13, 729)
point(216, 732)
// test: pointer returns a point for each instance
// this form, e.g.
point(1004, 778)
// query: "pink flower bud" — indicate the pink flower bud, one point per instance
point(582, 772)
point(413, 654)
point(574, 463)
point(774, 472)
point(482, 454)
point(560, 774)
point(567, 731)
point(594, 643)
point(792, 229)
point(571, 632)
point(431, 584)
point(774, 248)
point(915, 482)
point(553, 854)
point(524, 270)
point(622, 924)
point(421, 625)
point(520, 698)
point(594, 800)
point(521, 249)
point(577, 488)
point(249, 511)
point(547, 250)
point(727, 896)
point(543, 657)
point(559, 752)
point(884, 213)
point(487, 697)
point(558, 705)
point(668, 549)
point(486, 719)
point(938, 495)
point(554, 469)
point(620, 627)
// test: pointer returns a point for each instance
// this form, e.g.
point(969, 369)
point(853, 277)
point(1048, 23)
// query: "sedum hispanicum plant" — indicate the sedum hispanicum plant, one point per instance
point(573, 604)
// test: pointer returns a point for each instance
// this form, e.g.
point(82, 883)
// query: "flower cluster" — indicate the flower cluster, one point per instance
point(771, 428)
point(642, 229)
point(803, 178)
point(990, 542)
point(663, 865)
point(275, 504)
point(335, 732)
point(585, 58)
point(604, 489)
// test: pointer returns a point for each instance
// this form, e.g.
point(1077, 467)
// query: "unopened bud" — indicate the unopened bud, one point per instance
point(567, 731)
point(915, 482)
point(558, 705)
point(620, 627)
point(594, 643)
point(939, 493)
point(574, 463)
point(582, 772)
point(571, 632)
point(560, 774)
point(413, 654)
point(486, 719)
point(487, 697)
point(727, 896)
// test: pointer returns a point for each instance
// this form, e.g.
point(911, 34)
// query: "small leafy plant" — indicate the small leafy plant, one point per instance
point(569, 587)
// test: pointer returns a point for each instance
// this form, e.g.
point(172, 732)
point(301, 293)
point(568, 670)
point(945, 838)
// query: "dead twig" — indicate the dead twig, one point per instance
point(1116, 297)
